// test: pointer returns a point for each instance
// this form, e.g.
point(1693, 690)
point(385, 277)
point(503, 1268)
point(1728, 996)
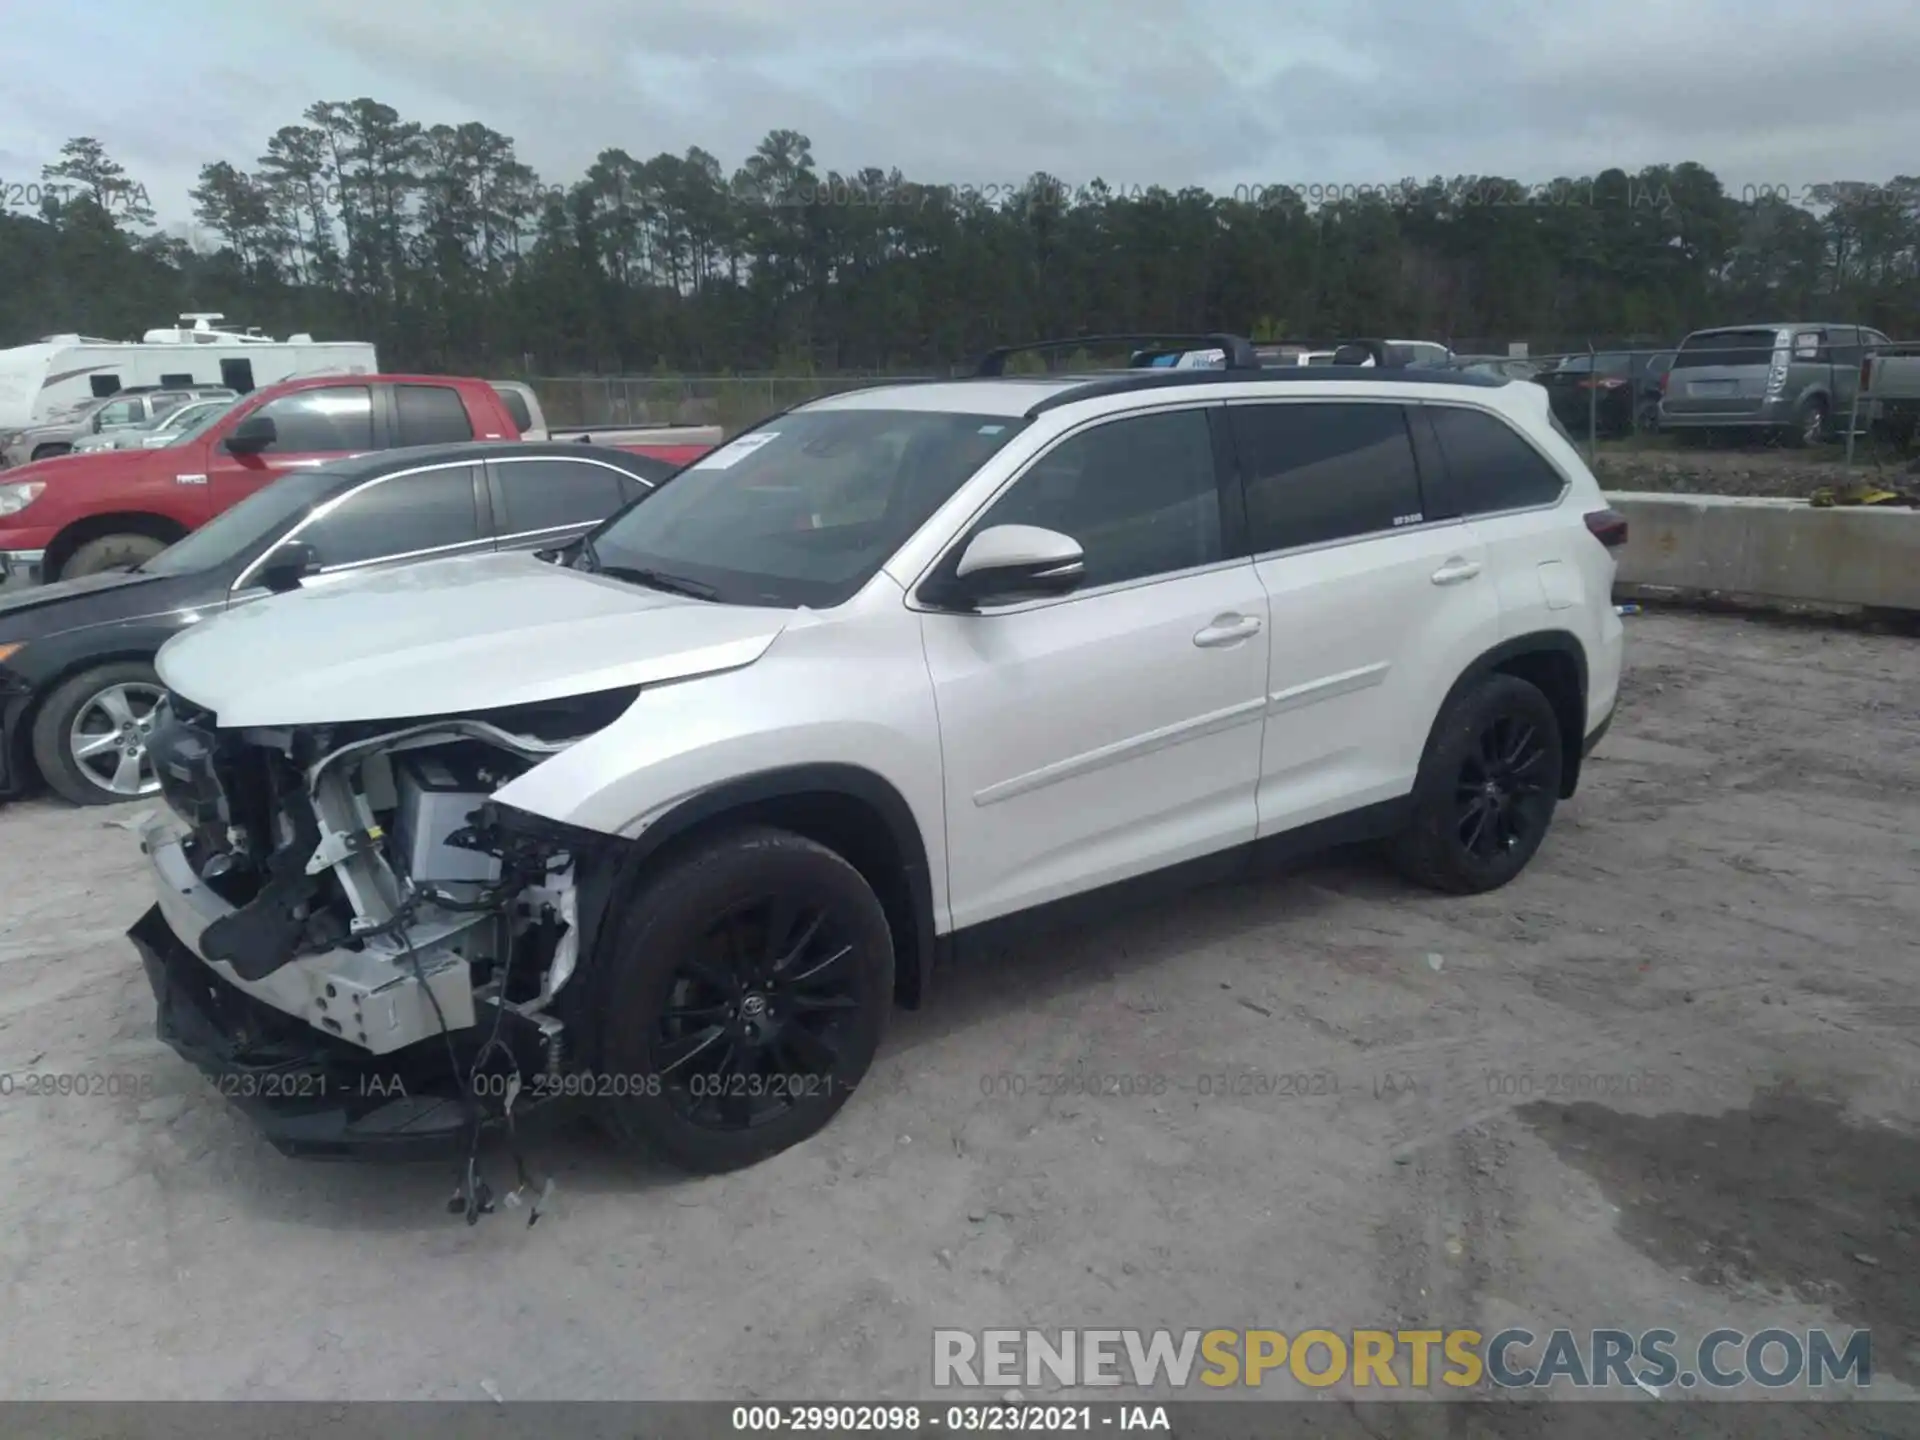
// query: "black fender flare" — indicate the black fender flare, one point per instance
point(1488, 662)
point(748, 792)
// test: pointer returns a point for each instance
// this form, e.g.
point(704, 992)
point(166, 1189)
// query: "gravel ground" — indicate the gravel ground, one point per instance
point(1668, 1077)
point(1787, 473)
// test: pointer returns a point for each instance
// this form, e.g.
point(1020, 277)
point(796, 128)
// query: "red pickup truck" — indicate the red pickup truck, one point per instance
point(81, 514)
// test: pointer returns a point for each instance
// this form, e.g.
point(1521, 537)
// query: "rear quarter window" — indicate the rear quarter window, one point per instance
point(1490, 465)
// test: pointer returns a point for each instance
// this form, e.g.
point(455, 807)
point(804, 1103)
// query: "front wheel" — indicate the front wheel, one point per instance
point(745, 992)
point(1486, 791)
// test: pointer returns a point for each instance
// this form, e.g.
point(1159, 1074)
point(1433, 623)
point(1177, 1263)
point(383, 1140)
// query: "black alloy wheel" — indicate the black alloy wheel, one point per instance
point(757, 1016)
point(1498, 793)
point(1487, 789)
point(740, 992)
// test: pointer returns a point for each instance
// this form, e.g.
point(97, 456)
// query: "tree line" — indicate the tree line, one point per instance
point(438, 244)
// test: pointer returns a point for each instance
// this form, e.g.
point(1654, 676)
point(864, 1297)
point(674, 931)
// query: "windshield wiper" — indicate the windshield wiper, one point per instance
point(660, 580)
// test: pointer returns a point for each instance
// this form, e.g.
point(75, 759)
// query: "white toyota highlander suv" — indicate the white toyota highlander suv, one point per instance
point(667, 821)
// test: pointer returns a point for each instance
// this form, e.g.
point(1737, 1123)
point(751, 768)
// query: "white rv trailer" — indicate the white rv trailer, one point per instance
point(55, 375)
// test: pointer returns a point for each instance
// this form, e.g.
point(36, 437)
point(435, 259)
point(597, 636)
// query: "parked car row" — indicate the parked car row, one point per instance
point(1793, 383)
point(78, 692)
point(82, 514)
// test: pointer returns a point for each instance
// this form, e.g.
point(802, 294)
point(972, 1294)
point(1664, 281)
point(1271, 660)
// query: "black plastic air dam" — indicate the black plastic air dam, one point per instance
point(311, 1096)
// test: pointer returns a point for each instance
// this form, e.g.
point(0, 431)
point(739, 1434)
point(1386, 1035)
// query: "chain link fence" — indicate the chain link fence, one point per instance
point(1746, 389)
point(1756, 389)
point(732, 402)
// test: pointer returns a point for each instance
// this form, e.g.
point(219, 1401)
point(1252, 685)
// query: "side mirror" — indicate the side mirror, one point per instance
point(288, 565)
point(1013, 562)
point(252, 435)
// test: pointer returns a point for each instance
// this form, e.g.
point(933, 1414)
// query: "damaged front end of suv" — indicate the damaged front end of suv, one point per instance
point(352, 939)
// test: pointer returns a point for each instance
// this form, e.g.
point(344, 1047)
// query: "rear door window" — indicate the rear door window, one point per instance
point(552, 493)
point(1321, 472)
point(427, 510)
point(430, 415)
point(1725, 347)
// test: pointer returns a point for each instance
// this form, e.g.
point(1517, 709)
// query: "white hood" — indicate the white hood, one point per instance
point(451, 637)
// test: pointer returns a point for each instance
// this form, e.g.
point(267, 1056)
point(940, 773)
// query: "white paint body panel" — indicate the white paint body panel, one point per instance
point(1043, 749)
point(474, 633)
point(1089, 739)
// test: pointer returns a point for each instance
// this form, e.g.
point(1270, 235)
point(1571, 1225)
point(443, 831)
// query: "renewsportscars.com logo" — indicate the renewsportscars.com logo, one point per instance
point(1458, 1359)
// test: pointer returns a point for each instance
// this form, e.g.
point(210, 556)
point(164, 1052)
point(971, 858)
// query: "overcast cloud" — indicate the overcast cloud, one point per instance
point(985, 92)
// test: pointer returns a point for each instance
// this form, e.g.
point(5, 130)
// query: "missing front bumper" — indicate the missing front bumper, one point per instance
point(380, 998)
point(309, 1095)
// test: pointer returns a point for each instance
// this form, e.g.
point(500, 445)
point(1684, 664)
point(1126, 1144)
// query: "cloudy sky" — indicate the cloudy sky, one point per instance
point(984, 92)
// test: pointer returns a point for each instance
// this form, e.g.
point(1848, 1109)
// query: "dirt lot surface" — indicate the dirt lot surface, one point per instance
point(1668, 1077)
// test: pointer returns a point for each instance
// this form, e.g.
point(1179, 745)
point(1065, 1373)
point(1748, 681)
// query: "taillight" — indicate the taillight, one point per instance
point(1609, 527)
point(1866, 372)
point(1665, 375)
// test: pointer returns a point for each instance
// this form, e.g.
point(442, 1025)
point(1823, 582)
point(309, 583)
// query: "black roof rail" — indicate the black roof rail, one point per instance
point(1239, 351)
point(1281, 376)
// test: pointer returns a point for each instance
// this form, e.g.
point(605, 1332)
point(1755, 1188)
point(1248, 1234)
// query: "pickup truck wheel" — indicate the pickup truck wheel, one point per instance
point(746, 989)
point(110, 552)
point(51, 449)
point(1486, 790)
point(90, 734)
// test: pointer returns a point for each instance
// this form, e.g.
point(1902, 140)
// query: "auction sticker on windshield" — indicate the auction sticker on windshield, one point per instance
point(730, 455)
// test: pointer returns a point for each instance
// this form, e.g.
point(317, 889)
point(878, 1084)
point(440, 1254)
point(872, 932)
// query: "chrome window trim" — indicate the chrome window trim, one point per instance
point(327, 507)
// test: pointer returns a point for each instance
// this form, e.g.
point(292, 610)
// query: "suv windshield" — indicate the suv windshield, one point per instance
point(803, 511)
point(262, 516)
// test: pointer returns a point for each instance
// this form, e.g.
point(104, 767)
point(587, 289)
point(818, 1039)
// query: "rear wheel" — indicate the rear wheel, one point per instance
point(748, 986)
point(1809, 423)
point(1486, 791)
point(110, 552)
point(48, 451)
point(90, 735)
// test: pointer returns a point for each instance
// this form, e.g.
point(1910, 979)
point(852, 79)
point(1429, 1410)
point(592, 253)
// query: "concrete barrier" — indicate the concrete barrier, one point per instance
point(1771, 549)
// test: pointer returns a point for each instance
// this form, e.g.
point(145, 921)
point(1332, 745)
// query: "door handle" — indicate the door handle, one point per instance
point(1227, 630)
point(1456, 570)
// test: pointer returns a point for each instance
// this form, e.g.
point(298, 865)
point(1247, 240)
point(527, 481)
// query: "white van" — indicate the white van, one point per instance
point(56, 375)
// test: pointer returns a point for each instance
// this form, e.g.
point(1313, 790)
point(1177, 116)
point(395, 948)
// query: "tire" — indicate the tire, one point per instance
point(110, 552)
point(1809, 424)
point(702, 1087)
point(48, 451)
point(1500, 743)
point(79, 701)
